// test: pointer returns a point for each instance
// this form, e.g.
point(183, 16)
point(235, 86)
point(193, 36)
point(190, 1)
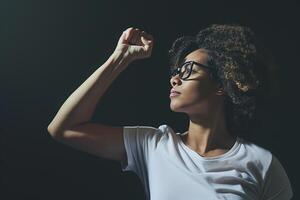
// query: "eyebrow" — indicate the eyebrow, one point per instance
point(197, 61)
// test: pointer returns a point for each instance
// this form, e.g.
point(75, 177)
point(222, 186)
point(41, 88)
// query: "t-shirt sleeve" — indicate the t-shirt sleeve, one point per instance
point(139, 142)
point(276, 184)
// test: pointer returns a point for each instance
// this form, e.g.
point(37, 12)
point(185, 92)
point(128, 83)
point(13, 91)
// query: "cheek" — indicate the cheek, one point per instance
point(200, 91)
point(204, 92)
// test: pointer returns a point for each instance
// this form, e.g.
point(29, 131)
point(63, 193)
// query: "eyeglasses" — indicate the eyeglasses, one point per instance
point(186, 69)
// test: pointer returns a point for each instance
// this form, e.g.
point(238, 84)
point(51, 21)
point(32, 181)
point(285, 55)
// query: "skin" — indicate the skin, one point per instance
point(203, 101)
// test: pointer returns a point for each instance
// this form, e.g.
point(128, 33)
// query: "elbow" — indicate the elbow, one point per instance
point(54, 133)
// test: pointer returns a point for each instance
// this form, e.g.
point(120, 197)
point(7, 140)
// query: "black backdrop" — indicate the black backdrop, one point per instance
point(48, 48)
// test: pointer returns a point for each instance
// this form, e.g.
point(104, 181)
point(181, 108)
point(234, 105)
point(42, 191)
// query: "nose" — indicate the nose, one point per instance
point(175, 80)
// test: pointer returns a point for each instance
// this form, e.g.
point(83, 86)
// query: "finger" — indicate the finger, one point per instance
point(122, 38)
point(129, 33)
point(137, 35)
point(147, 38)
point(136, 40)
point(145, 41)
point(148, 46)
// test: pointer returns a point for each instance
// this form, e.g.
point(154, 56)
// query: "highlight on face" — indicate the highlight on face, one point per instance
point(235, 53)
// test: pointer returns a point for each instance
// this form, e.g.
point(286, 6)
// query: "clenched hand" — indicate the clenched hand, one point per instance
point(135, 44)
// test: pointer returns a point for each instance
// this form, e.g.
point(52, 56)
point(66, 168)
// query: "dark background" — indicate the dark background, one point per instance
point(48, 48)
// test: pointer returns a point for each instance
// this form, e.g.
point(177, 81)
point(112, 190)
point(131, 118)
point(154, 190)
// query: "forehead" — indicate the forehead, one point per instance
point(199, 55)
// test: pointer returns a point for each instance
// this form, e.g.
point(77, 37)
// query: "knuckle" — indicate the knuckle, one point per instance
point(129, 29)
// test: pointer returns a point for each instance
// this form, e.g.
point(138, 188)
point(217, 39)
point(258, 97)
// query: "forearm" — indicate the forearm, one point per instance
point(80, 105)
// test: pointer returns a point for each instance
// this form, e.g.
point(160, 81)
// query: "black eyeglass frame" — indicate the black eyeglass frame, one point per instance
point(177, 70)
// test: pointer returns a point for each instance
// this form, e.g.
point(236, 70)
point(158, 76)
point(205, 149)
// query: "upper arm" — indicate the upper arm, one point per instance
point(97, 139)
point(276, 184)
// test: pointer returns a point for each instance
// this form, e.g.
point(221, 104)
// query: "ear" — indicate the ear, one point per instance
point(220, 90)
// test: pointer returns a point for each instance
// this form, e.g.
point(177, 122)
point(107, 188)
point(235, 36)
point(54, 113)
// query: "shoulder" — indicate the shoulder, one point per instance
point(148, 133)
point(254, 148)
point(257, 154)
point(148, 130)
point(276, 183)
point(267, 169)
point(265, 161)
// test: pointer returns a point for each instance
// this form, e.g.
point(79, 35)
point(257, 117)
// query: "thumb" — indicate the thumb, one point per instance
point(145, 41)
point(122, 38)
point(148, 43)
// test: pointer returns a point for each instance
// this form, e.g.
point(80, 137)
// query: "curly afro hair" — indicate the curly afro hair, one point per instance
point(234, 52)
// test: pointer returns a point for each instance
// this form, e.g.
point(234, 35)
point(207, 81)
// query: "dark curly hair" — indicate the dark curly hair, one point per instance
point(235, 53)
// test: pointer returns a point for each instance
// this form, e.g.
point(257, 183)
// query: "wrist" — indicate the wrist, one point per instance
point(121, 55)
point(119, 60)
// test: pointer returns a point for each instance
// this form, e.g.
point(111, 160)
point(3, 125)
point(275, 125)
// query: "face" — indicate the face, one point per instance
point(198, 92)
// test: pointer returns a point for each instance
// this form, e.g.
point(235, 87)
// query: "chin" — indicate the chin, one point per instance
point(176, 108)
point(173, 109)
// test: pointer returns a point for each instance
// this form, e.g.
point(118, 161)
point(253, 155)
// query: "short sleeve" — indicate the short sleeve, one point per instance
point(139, 142)
point(276, 184)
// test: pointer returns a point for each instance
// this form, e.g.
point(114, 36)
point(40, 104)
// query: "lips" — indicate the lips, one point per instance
point(174, 91)
point(174, 94)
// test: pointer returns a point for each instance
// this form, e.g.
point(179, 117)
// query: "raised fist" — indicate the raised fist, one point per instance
point(135, 44)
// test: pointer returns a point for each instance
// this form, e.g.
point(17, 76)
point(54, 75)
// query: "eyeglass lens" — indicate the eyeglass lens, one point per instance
point(184, 70)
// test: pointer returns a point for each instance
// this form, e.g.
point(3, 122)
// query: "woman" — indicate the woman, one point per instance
point(214, 81)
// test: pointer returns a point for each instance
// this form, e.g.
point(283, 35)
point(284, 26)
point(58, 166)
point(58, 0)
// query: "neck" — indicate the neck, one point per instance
point(208, 133)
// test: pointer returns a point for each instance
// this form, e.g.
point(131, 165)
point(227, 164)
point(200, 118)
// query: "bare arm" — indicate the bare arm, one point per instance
point(80, 105)
point(72, 126)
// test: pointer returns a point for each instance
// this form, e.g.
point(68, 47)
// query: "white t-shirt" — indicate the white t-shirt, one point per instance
point(170, 170)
